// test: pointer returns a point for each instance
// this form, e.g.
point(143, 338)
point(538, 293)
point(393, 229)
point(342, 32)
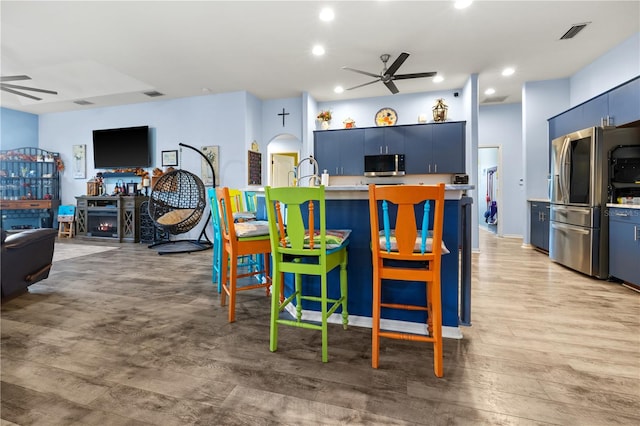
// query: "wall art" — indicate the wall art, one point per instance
point(212, 153)
point(79, 161)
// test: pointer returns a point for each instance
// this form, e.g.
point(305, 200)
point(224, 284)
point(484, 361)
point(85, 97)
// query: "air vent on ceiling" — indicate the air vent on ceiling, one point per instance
point(153, 94)
point(574, 30)
point(494, 99)
point(83, 102)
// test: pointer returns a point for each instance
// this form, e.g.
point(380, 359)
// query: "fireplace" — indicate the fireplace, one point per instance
point(102, 224)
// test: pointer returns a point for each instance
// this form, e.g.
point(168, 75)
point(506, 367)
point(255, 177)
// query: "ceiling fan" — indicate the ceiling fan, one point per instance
point(388, 75)
point(19, 90)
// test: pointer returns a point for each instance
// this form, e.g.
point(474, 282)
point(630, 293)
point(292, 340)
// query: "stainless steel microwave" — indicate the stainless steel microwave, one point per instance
point(384, 165)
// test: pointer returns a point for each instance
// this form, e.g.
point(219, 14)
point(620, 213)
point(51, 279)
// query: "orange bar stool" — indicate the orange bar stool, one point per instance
point(238, 240)
point(403, 251)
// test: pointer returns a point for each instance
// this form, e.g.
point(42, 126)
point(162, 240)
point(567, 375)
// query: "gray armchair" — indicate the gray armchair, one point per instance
point(25, 259)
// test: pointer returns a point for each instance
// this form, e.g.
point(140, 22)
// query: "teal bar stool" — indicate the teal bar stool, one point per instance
point(216, 272)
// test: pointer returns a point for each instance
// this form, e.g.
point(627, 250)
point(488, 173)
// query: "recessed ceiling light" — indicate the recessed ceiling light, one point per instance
point(462, 4)
point(326, 14)
point(508, 71)
point(490, 91)
point(318, 50)
point(338, 89)
point(438, 79)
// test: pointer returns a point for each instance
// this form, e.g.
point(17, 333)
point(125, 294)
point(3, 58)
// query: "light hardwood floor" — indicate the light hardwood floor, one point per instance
point(128, 337)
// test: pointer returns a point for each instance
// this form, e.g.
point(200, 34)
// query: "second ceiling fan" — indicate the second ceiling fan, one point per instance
point(19, 89)
point(388, 75)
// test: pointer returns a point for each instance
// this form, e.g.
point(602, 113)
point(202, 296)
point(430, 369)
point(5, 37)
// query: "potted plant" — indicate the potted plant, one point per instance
point(324, 117)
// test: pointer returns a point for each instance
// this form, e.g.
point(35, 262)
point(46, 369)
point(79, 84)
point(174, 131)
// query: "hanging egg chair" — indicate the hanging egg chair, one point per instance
point(176, 205)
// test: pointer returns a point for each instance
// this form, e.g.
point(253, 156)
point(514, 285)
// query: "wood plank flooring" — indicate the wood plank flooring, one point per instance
point(128, 337)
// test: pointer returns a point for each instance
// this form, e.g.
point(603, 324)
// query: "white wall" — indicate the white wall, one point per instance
point(407, 106)
point(197, 121)
point(620, 64)
point(501, 125)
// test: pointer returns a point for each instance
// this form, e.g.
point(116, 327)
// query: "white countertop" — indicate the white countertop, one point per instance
point(539, 200)
point(624, 206)
point(357, 192)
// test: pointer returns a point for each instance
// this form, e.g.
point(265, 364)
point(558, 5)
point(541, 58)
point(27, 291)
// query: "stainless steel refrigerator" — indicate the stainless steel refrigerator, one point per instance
point(579, 228)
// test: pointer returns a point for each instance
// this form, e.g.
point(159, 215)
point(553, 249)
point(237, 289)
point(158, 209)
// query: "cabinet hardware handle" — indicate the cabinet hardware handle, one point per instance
point(635, 233)
point(621, 214)
point(435, 168)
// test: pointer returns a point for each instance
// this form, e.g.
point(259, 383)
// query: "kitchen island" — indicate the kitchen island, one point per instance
point(347, 207)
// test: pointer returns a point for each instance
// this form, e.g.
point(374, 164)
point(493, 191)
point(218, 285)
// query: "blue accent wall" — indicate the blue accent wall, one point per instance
point(18, 129)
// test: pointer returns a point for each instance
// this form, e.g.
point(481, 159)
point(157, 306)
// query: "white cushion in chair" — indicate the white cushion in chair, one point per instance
point(252, 228)
point(175, 216)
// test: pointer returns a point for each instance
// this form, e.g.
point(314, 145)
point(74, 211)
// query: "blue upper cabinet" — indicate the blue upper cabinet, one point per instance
point(435, 148)
point(448, 147)
point(617, 107)
point(340, 152)
point(594, 112)
point(384, 140)
point(419, 152)
point(428, 148)
point(624, 103)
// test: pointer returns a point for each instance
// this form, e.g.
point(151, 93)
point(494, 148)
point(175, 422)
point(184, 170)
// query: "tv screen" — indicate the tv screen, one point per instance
point(121, 148)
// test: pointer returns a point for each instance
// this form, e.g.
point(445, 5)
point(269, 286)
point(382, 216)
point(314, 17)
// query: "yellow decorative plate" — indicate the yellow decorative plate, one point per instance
point(386, 117)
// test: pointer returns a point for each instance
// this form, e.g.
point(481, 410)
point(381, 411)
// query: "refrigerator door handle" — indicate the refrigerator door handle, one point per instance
point(566, 169)
point(569, 228)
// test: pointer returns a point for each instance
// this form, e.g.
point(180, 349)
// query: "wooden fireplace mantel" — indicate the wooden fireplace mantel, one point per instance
point(128, 216)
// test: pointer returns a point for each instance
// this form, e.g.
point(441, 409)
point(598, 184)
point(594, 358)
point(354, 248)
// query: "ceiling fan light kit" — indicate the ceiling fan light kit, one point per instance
point(388, 75)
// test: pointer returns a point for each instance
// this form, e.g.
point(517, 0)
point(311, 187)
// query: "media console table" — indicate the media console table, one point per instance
point(109, 217)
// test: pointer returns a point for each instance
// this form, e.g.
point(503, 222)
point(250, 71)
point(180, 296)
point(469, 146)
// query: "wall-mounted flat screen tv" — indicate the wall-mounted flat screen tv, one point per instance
point(121, 148)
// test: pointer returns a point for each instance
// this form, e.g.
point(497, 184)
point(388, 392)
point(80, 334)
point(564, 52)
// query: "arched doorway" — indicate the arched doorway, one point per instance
point(284, 153)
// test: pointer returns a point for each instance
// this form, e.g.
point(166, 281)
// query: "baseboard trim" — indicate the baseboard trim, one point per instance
point(391, 325)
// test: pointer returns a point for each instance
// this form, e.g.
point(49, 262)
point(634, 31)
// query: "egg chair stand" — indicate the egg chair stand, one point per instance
point(176, 205)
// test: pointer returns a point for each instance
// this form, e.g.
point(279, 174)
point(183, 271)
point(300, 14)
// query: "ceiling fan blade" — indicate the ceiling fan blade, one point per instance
point(416, 75)
point(15, 92)
point(370, 74)
point(396, 64)
point(32, 89)
point(15, 78)
point(365, 84)
point(392, 87)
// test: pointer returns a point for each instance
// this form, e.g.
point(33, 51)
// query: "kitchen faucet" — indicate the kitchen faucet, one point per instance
point(314, 179)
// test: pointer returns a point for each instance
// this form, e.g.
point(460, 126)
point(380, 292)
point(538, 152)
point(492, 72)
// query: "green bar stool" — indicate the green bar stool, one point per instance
point(295, 252)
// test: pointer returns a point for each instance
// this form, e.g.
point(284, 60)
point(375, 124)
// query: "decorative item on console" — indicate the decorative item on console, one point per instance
point(349, 123)
point(440, 111)
point(461, 179)
point(324, 117)
point(386, 117)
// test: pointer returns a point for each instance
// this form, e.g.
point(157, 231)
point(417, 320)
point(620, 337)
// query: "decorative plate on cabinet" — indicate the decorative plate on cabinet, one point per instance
point(386, 117)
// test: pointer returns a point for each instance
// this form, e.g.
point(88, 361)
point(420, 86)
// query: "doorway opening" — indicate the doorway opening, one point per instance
point(489, 187)
point(283, 152)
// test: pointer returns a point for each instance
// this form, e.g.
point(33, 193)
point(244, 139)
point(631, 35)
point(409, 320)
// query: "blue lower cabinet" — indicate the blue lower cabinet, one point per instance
point(624, 244)
point(539, 222)
point(354, 215)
